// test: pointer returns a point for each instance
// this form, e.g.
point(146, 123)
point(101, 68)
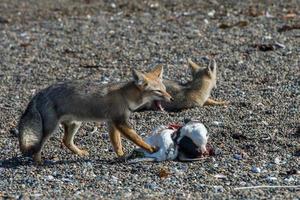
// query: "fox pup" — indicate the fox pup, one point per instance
point(71, 103)
point(194, 93)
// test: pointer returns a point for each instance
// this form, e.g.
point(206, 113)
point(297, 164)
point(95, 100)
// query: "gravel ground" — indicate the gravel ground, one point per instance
point(256, 45)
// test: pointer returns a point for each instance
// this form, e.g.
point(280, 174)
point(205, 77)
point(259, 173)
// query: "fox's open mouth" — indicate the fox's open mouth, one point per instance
point(158, 105)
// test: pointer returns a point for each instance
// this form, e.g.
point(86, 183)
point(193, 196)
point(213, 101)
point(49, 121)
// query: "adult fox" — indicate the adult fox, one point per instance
point(70, 103)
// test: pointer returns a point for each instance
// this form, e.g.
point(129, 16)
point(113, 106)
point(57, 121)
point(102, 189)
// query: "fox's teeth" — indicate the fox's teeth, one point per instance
point(159, 106)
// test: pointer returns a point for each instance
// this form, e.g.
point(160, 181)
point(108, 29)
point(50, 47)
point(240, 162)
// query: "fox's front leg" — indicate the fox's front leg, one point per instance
point(211, 102)
point(115, 138)
point(129, 133)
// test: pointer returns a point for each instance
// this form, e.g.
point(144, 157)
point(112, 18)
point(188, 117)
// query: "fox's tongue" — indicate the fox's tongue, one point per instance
point(158, 105)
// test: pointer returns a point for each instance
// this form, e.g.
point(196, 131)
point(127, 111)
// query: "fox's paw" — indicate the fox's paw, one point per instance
point(225, 103)
point(153, 149)
point(119, 152)
point(82, 153)
point(37, 158)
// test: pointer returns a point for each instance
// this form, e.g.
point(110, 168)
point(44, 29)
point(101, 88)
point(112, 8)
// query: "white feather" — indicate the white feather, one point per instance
point(161, 137)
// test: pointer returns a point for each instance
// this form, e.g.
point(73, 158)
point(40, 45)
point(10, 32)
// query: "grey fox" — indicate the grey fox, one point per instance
point(70, 103)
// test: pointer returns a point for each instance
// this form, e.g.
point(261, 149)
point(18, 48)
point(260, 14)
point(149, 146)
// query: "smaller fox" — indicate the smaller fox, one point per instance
point(194, 93)
point(71, 103)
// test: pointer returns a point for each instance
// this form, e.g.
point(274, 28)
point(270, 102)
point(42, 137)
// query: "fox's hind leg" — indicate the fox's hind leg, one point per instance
point(37, 155)
point(70, 130)
point(50, 124)
point(211, 102)
point(115, 138)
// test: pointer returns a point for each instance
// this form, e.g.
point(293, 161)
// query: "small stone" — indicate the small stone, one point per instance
point(218, 188)
point(105, 79)
point(260, 104)
point(36, 195)
point(78, 192)
point(49, 178)
point(244, 155)
point(268, 37)
point(67, 180)
point(151, 186)
point(127, 194)
point(211, 13)
point(218, 152)
point(154, 5)
point(237, 156)
point(290, 179)
point(178, 172)
point(216, 123)
point(24, 34)
point(268, 15)
point(114, 179)
point(256, 169)
point(277, 160)
point(243, 183)
point(271, 178)
point(111, 32)
point(113, 5)
point(220, 176)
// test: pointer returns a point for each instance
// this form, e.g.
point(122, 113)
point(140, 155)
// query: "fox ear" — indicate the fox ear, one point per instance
point(193, 66)
point(158, 71)
point(212, 66)
point(138, 77)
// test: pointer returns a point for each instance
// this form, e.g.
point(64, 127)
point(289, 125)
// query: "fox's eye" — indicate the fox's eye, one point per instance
point(157, 92)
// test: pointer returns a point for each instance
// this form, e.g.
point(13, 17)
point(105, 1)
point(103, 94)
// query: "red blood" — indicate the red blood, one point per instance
point(174, 126)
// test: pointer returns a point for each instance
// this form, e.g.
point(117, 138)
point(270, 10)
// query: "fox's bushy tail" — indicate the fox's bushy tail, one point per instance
point(30, 130)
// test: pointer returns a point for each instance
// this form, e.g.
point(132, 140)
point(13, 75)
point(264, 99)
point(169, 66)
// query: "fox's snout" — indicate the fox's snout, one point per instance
point(168, 97)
